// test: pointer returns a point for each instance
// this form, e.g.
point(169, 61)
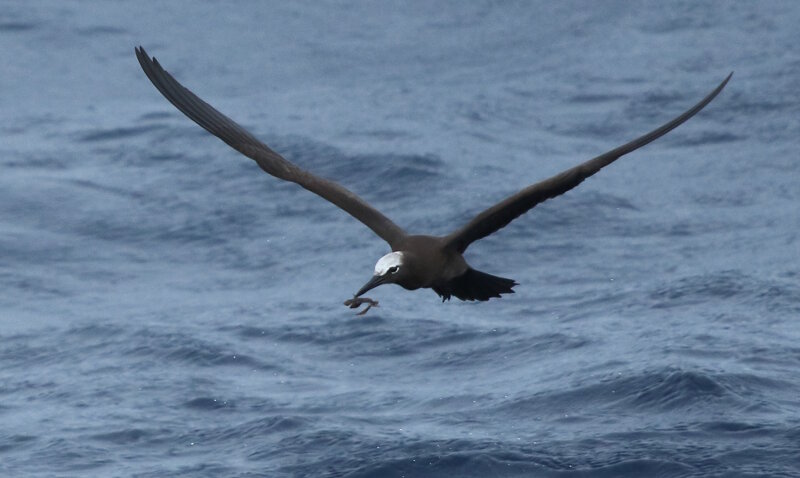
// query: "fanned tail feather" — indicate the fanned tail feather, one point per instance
point(475, 285)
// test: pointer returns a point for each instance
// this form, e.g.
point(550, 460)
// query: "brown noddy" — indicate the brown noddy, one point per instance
point(416, 261)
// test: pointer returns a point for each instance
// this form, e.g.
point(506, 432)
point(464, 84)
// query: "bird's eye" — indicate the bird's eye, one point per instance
point(394, 269)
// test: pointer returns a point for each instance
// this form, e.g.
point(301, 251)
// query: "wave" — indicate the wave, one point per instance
point(693, 392)
point(728, 286)
point(183, 348)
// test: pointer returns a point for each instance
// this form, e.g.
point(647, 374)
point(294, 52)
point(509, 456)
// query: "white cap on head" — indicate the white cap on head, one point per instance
point(388, 261)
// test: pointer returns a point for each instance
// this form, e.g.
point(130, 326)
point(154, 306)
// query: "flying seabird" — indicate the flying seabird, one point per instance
point(415, 261)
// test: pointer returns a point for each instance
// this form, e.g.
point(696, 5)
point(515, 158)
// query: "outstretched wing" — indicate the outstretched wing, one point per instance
point(502, 213)
point(273, 163)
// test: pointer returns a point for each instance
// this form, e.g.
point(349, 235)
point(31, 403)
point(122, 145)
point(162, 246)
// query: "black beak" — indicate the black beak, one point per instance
point(374, 282)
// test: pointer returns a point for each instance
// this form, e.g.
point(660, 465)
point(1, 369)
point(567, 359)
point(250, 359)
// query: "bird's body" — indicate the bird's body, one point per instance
point(416, 261)
point(430, 263)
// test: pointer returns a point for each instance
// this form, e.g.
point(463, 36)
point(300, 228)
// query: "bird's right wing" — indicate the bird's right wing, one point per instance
point(273, 163)
point(502, 213)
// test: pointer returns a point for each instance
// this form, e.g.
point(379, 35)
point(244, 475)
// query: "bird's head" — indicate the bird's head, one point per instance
point(388, 270)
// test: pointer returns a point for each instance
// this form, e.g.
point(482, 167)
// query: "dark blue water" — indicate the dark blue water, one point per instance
point(166, 309)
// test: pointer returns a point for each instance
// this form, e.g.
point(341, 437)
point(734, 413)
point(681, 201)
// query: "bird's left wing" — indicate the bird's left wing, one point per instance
point(502, 213)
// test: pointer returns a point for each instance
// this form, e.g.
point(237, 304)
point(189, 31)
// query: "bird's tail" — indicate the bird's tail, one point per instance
point(476, 285)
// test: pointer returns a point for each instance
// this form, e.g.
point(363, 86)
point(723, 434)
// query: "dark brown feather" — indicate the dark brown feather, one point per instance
point(271, 162)
point(502, 213)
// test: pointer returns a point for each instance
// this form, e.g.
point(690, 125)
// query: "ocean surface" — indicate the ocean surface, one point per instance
point(166, 309)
